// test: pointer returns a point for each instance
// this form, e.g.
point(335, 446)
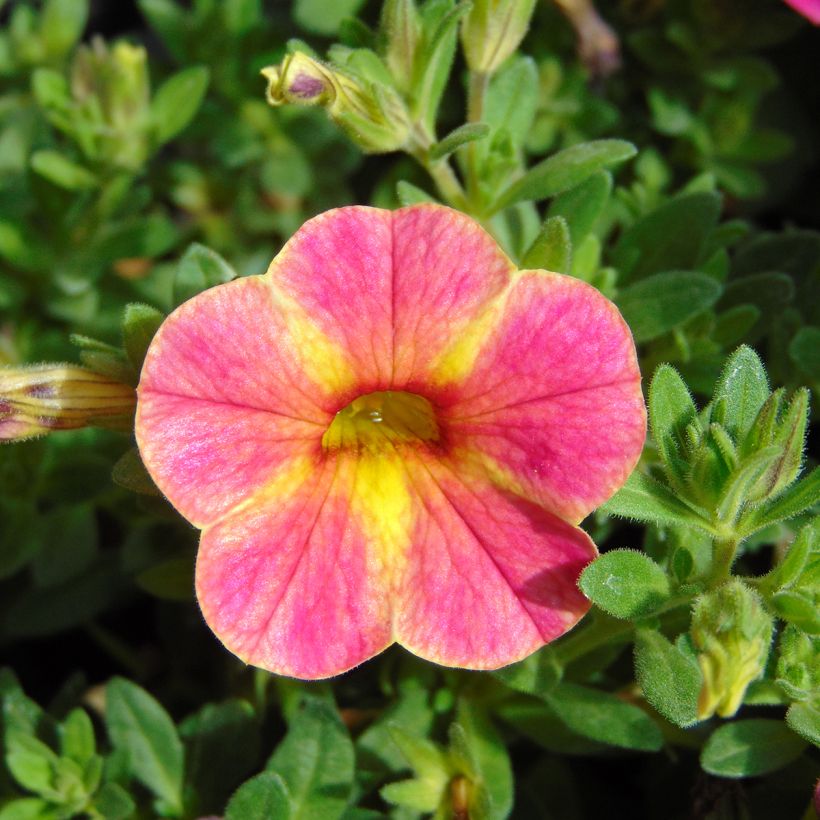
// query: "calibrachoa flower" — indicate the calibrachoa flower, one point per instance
point(391, 437)
point(810, 9)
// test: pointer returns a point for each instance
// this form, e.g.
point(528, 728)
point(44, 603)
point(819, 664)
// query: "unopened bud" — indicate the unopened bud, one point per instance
point(493, 30)
point(36, 400)
point(374, 116)
point(402, 32)
point(731, 632)
point(798, 667)
point(112, 84)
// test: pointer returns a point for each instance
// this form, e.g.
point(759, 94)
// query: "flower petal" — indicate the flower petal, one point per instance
point(338, 268)
point(552, 399)
point(207, 457)
point(447, 270)
point(225, 399)
point(490, 577)
point(292, 583)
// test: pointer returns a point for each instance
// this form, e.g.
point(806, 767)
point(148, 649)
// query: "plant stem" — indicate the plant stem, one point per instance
point(602, 631)
point(476, 98)
point(723, 556)
point(447, 182)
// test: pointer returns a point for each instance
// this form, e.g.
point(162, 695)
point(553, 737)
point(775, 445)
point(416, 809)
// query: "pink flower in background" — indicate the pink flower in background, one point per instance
point(810, 9)
point(391, 437)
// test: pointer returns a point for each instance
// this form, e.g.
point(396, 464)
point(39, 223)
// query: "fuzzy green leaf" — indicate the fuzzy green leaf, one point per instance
point(139, 325)
point(660, 303)
point(670, 680)
point(551, 249)
point(200, 268)
point(315, 760)
point(644, 499)
point(565, 170)
point(743, 387)
point(747, 748)
point(625, 583)
point(469, 132)
point(804, 718)
point(671, 237)
point(671, 409)
point(582, 205)
point(603, 717)
point(796, 499)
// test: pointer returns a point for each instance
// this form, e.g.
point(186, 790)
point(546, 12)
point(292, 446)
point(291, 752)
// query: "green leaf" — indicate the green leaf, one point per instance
point(176, 102)
point(644, 499)
point(77, 737)
point(733, 324)
point(200, 268)
point(30, 808)
point(62, 23)
point(603, 717)
point(669, 679)
point(171, 580)
point(582, 205)
point(222, 744)
point(142, 730)
point(747, 748)
point(140, 323)
point(321, 17)
point(671, 237)
point(170, 21)
point(743, 387)
point(464, 134)
point(535, 675)
point(409, 194)
point(261, 798)
point(565, 170)
point(804, 718)
point(512, 99)
point(797, 609)
point(56, 168)
point(794, 561)
point(114, 803)
point(625, 583)
point(796, 499)
point(316, 762)
point(32, 764)
point(736, 489)
point(804, 351)
point(662, 302)
point(440, 26)
point(488, 753)
point(552, 248)
point(129, 472)
point(671, 409)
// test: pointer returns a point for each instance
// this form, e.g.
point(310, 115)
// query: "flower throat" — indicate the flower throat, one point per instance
point(377, 421)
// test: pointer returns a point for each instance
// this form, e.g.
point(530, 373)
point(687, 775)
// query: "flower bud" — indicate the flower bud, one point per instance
point(112, 88)
point(798, 667)
point(373, 115)
point(36, 400)
point(731, 632)
point(493, 30)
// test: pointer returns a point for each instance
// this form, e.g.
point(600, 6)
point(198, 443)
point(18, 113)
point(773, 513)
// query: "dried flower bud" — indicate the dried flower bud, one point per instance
point(36, 400)
point(374, 116)
point(732, 632)
point(493, 30)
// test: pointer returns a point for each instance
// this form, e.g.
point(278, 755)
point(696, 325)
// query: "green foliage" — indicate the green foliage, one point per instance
point(133, 175)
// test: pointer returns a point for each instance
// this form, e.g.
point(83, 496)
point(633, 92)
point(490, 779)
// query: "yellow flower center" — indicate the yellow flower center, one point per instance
point(380, 420)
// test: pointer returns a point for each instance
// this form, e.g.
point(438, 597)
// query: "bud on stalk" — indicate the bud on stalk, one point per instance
point(374, 116)
point(36, 400)
point(493, 30)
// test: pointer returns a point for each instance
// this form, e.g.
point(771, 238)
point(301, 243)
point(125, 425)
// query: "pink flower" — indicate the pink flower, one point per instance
point(810, 9)
point(391, 437)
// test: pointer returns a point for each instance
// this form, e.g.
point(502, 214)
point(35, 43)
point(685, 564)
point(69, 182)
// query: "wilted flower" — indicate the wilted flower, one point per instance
point(391, 437)
point(39, 399)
